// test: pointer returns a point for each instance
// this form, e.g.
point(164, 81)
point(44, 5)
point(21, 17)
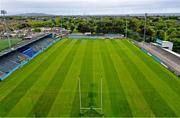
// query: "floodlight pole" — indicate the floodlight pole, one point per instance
point(145, 18)
point(126, 28)
point(61, 24)
point(126, 25)
point(3, 12)
point(101, 22)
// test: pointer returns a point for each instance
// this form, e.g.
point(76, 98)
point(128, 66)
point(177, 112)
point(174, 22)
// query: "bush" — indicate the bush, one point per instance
point(37, 30)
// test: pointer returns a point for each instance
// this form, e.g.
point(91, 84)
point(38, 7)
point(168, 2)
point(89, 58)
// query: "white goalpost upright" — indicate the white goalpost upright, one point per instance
point(101, 96)
point(80, 102)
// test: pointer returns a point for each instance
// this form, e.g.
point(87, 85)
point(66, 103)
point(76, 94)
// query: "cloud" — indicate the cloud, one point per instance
point(90, 6)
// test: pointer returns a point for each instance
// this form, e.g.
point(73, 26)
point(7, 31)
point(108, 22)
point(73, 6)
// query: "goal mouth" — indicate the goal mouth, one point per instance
point(91, 112)
point(88, 105)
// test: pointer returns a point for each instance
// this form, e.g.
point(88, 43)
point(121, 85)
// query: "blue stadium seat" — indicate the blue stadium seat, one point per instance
point(30, 52)
point(12, 60)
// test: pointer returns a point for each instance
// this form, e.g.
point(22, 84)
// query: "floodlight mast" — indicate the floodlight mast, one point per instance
point(145, 18)
point(126, 25)
point(61, 26)
point(62, 21)
point(4, 12)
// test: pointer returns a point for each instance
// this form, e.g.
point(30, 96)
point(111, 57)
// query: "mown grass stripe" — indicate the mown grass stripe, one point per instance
point(119, 104)
point(87, 67)
point(15, 95)
point(32, 95)
point(170, 79)
point(75, 105)
point(100, 74)
point(86, 74)
point(156, 102)
point(138, 104)
point(68, 90)
point(44, 103)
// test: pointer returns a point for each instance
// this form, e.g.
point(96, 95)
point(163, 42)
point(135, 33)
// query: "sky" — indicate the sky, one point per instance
point(90, 7)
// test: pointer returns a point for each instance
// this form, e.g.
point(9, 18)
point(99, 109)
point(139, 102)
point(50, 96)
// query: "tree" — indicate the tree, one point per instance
point(58, 21)
point(85, 26)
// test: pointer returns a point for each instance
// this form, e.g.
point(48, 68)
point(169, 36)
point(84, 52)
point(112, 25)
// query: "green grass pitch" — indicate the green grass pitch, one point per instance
point(4, 43)
point(133, 83)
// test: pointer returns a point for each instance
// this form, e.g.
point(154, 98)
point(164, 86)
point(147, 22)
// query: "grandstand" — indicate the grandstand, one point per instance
point(13, 59)
point(34, 38)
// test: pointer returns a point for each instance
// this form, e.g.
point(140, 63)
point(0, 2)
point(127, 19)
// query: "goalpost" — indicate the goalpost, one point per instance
point(91, 110)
